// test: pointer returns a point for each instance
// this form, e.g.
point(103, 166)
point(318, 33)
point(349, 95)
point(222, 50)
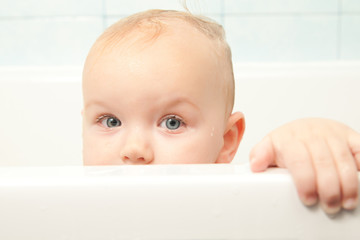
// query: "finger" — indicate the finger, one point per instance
point(262, 155)
point(347, 172)
point(297, 160)
point(327, 179)
point(354, 143)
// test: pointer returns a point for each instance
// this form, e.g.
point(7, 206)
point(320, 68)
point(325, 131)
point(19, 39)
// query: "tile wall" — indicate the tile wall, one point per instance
point(60, 32)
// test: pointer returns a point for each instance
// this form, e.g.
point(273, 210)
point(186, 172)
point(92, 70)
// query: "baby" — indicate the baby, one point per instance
point(158, 88)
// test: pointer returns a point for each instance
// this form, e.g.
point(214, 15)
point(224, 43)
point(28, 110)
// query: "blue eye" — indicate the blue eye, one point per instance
point(172, 123)
point(110, 122)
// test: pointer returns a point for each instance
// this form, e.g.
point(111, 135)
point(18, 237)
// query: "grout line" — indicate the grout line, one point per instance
point(222, 12)
point(104, 17)
point(339, 30)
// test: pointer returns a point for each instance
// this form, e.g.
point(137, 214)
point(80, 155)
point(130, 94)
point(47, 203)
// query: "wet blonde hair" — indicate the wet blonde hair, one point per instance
point(155, 22)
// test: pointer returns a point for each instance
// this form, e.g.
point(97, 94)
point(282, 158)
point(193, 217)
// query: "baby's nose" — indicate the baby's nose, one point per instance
point(137, 151)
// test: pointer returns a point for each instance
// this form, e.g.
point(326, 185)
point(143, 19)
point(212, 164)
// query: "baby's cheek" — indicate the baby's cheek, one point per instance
point(86, 149)
point(208, 145)
point(95, 151)
point(196, 150)
point(90, 153)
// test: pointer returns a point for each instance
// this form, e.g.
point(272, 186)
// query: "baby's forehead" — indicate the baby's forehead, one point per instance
point(176, 36)
point(146, 33)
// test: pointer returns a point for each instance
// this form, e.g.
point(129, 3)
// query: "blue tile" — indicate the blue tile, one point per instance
point(281, 6)
point(350, 6)
point(216, 17)
point(50, 8)
point(62, 41)
point(125, 7)
point(111, 20)
point(282, 38)
point(350, 38)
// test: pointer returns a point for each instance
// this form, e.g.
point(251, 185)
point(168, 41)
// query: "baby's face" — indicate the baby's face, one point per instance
point(157, 104)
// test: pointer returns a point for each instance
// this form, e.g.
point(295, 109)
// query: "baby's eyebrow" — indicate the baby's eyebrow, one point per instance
point(173, 101)
point(95, 103)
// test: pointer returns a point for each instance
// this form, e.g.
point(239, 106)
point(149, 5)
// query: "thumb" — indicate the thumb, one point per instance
point(262, 155)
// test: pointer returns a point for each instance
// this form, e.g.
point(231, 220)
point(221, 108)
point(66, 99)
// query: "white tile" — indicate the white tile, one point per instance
point(50, 7)
point(282, 38)
point(350, 6)
point(350, 38)
point(281, 6)
point(63, 41)
point(216, 17)
point(125, 7)
point(206, 7)
point(111, 20)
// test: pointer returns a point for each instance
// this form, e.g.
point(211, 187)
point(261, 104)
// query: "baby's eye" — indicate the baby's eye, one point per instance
point(172, 123)
point(109, 121)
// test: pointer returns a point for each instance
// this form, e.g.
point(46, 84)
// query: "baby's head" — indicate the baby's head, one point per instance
point(158, 88)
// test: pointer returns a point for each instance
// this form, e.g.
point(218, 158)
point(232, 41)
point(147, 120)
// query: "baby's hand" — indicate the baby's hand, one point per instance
point(323, 157)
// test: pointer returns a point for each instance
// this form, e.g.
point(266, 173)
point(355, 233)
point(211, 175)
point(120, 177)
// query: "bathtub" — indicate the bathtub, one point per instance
point(162, 202)
point(45, 193)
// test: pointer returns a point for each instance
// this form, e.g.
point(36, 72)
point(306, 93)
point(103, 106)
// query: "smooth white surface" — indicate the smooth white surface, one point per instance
point(40, 116)
point(41, 106)
point(161, 202)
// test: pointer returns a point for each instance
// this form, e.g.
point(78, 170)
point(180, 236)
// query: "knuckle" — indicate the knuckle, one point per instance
point(296, 164)
point(348, 172)
point(357, 160)
point(344, 155)
point(323, 162)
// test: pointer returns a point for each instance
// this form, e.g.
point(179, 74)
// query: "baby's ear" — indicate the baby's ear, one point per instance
point(232, 136)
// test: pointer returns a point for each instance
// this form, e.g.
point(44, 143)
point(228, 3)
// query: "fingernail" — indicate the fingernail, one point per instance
point(331, 209)
point(310, 200)
point(350, 203)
